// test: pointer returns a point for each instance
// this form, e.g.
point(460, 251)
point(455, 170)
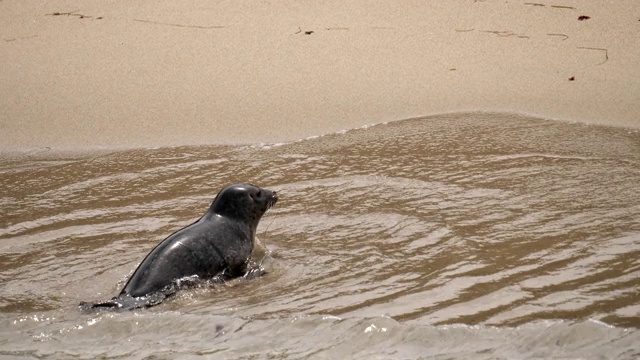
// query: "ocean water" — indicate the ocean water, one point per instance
point(473, 235)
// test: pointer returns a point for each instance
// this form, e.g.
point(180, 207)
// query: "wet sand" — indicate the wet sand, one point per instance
point(80, 75)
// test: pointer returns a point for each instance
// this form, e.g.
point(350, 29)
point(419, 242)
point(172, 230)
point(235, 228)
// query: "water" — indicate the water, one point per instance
point(457, 236)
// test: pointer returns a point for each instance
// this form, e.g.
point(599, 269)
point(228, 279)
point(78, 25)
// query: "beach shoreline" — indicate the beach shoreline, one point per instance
point(74, 152)
point(120, 76)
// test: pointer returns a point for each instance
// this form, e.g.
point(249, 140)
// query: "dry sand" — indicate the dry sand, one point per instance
point(81, 74)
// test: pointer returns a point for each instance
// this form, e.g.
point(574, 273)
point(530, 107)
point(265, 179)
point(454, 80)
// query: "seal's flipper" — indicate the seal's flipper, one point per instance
point(109, 304)
point(106, 304)
point(128, 302)
point(252, 269)
point(254, 272)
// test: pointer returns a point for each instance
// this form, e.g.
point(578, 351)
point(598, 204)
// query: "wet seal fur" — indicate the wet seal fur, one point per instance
point(217, 246)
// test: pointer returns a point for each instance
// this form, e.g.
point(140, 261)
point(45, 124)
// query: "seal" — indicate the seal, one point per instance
point(218, 245)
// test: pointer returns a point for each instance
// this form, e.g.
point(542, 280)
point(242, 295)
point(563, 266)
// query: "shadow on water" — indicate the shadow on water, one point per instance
point(512, 226)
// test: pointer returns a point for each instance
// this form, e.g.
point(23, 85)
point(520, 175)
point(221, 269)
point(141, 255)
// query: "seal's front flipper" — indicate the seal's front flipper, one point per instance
point(254, 271)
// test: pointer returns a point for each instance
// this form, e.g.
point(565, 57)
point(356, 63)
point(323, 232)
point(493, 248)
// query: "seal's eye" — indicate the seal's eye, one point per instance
point(259, 193)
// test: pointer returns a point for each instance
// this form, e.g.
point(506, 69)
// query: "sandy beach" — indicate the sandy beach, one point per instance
point(486, 215)
point(80, 74)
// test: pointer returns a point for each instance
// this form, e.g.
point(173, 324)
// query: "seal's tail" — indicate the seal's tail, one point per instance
point(109, 304)
point(125, 302)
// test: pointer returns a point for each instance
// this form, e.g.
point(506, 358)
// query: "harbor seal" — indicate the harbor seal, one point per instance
point(217, 245)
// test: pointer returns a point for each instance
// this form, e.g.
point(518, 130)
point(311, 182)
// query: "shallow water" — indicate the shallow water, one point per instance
point(454, 236)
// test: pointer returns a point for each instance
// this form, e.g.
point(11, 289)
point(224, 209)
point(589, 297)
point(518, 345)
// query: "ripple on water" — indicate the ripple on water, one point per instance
point(526, 232)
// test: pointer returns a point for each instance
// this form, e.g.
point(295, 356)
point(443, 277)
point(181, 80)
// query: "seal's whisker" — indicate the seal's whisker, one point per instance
point(267, 229)
point(264, 244)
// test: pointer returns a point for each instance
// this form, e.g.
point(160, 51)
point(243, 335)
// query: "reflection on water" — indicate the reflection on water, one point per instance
point(384, 240)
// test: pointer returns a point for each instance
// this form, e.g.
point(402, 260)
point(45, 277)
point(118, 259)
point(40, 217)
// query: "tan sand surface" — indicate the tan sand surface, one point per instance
point(79, 74)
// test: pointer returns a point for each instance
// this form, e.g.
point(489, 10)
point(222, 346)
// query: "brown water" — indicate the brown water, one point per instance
point(456, 236)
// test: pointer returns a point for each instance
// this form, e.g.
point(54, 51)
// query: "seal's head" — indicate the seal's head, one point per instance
point(244, 202)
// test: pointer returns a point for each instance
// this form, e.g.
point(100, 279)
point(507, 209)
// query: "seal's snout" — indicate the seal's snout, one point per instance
point(274, 199)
